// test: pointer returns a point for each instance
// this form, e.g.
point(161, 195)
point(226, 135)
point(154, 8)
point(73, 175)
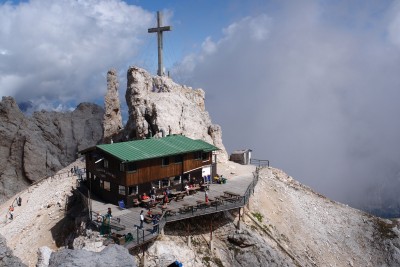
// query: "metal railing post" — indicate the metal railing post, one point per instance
point(137, 235)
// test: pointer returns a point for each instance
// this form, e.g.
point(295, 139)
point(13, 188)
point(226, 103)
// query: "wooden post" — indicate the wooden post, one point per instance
point(211, 241)
point(142, 260)
point(189, 240)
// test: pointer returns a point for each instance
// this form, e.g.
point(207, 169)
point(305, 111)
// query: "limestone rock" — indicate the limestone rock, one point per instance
point(44, 254)
point(113, 255)
point(157, 105)
point(6, 255)
point(112, 117)
point(242, 239)
point(36, 147)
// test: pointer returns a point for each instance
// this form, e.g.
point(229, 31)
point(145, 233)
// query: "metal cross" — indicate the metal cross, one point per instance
point(159, 30)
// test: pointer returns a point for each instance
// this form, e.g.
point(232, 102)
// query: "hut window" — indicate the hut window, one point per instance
point(131, 167)
point(107, 186)
point(165, 161)
point(197, 155)
point(177, 180)
point(205, 156)
point(121, 167)
point(105, 163)
point(165, 182)
point(178, 159)
point(121, 190)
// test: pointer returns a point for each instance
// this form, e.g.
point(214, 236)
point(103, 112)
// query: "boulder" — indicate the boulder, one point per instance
point(6, 255)
point(113, 255)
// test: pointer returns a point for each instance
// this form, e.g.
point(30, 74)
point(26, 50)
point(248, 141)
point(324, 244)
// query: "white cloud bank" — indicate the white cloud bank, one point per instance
point(316, 96)
point(60, 51)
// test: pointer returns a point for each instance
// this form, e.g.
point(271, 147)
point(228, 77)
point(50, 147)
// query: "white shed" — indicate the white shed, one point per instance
point(241, 156)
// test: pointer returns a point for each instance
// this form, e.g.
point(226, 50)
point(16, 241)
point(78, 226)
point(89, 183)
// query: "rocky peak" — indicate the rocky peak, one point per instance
point(158, 105)
point(112, 122)
point(35, 147)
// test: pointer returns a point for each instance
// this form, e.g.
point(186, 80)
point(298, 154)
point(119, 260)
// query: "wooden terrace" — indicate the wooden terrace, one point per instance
point(233, 194)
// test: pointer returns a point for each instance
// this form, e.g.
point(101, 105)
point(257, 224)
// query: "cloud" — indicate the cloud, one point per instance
point(315, 96)
point(61, 50)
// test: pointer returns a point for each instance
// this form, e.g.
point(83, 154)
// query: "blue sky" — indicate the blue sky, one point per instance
point(313, 86)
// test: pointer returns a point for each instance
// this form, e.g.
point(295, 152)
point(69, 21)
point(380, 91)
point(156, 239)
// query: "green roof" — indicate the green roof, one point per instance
point(155, 148)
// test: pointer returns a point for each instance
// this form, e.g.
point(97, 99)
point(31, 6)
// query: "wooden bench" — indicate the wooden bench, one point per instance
point(170, 212)
point(202, 204)
point(185, 208)
point(231, 194)
point(179, 197)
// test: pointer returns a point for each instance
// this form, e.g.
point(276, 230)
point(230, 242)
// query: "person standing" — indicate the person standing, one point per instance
point(155, 223)
point(153, 193)
point(141, 219)
point(165, 199)
point(109, 213)
point(187, 189)
point(206, 196)
point(11, 212)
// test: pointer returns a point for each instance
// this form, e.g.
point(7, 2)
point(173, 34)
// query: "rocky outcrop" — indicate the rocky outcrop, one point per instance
point(113, 255)
point(6, 255)
point(36, 147)
point(157, 105)
point(112, 122)
point(44, 254)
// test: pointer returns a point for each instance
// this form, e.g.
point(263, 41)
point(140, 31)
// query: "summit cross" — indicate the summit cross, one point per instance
point(159, 30)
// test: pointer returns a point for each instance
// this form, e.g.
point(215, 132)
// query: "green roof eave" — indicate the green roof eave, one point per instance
point(155, 148)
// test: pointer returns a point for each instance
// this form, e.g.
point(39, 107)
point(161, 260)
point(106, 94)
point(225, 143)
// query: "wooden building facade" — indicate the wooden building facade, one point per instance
point(126, 170)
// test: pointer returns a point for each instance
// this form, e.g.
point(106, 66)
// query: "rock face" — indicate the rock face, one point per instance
point(112, 117)
point(113, 255)
point(36, 147)
point(6, 256)
point(157, 105)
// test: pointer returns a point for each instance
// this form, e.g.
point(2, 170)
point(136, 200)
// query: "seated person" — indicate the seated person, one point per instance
point(150, 213)
point(145, 196)
point(165, 198)
point(168, 191)
point(187, 189)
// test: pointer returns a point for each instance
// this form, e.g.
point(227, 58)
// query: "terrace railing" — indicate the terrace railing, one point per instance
point(142, 236)
point(260, 162)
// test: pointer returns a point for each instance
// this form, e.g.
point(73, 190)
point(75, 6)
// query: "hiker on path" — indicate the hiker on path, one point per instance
point(11, 212)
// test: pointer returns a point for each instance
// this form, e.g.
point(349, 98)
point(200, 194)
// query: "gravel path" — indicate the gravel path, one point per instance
point(42, 208)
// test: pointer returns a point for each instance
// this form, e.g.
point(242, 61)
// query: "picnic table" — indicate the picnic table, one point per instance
point(231, 194)
point(148, 203)
point(193, 190)
point(204, 187)
point(178, 195)
point(170, 212)
point(185, 208)
point(202, 204)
